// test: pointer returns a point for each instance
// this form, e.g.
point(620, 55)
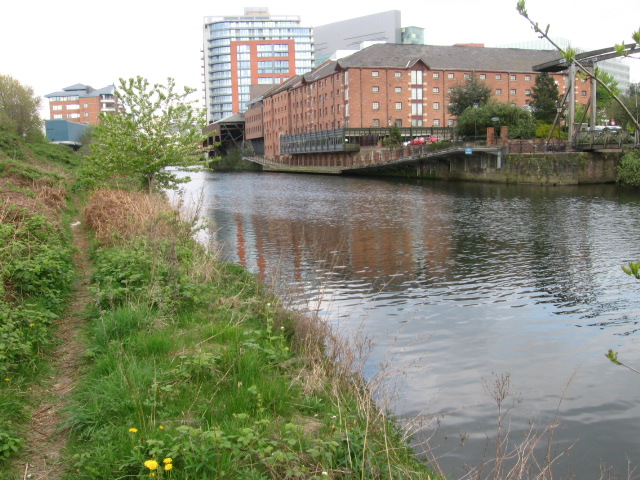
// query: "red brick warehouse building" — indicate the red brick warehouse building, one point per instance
point(393, 84)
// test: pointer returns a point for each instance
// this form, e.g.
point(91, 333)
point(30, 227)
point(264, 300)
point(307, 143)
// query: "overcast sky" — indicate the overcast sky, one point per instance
point(51, 45)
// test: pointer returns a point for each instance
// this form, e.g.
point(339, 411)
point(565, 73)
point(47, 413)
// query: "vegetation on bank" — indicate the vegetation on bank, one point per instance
point(36, 271)
point(191, 368)
point(629, 169)
point(192, 359)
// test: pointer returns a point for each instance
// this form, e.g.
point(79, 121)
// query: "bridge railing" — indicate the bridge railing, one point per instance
point(605, 139)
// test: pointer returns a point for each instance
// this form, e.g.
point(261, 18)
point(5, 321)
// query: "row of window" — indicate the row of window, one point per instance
point(273, 63)
point(266, 23)
point(266, 71)
point(273, 54)
point(70, 98)
point(415, 122)
point(416, 108)
point(60, 116)
point(416, 76)
point(416, 93)
point(279, 47)
point(73, 106)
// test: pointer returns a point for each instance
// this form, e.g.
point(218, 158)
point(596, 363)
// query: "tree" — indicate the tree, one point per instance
point(465, 94)
point(395, 137)
point(605, 95)
point(154, 128)
point(570, 56)
point(19, 108)
point(519, 120)
point(632, 102)
point(545, 98)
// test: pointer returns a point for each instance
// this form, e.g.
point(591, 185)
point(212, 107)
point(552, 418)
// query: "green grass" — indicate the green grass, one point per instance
point(36, 276)
point(186, 357)
point(206, 374)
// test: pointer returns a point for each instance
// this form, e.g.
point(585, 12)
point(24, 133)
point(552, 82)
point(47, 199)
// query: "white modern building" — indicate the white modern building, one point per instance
point(335, 40)
point(253, 49)
point(349, 35)
point(617, 68)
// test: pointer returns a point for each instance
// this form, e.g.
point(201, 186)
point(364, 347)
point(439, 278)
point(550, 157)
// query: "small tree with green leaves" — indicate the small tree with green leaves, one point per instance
point(631, 100)
point(544, 98)
point(466, 94)
point(519, 120)
point(606, 91)
point(156, 127)
point(19, 109)
point(395, 137)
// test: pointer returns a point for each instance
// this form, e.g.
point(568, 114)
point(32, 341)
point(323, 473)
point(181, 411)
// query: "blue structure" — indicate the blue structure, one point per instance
point(65, 132)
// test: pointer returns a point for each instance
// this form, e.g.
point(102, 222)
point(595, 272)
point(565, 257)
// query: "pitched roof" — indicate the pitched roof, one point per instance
point(435, 57)
point(439, 57)
point(82, 91)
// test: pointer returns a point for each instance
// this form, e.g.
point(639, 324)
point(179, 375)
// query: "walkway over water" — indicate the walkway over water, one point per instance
point(372, 158)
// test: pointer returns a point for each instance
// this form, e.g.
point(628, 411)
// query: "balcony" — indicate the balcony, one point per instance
point(317, 142)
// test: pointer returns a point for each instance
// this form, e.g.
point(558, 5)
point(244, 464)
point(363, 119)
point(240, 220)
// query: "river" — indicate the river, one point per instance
point(459, 285)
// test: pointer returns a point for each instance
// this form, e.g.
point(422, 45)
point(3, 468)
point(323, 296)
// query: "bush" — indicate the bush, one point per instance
point(629, 169)
point(543, 130)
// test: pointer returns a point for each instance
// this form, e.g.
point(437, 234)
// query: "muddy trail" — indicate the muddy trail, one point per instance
point(45, 439)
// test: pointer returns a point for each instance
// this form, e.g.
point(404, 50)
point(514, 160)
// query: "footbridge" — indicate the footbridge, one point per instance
point(515, 161)
point(375, 158)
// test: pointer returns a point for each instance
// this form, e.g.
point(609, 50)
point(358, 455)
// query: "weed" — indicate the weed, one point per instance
point(9, 444)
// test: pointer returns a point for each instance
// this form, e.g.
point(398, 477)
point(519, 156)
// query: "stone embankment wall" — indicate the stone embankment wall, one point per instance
point(565, 168)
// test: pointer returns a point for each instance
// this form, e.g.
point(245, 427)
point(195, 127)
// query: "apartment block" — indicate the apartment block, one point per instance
point(254, 49)
point(81, 103)
point(394, 84)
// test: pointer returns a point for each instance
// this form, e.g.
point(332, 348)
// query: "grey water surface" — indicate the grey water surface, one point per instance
point(458, 284)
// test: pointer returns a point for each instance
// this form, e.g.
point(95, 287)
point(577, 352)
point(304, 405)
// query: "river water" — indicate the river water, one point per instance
point(458, 285)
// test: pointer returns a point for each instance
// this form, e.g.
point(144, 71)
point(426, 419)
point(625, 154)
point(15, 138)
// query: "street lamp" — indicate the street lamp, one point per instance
point(475, 122)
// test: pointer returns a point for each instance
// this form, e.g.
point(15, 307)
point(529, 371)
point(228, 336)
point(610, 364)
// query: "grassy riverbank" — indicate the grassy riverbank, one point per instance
point(187, 367)
point(36, 276)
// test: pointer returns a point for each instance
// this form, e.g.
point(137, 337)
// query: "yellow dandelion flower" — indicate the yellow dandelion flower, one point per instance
point(151, 464)
point(133, 430)
point(32, 324)
point(7, 379)
point(161, 427)
point(168, 466)
point(167, 460)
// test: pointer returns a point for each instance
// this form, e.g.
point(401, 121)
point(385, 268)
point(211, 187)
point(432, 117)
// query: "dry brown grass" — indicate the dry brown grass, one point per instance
point(33, 196)
point(119, 215)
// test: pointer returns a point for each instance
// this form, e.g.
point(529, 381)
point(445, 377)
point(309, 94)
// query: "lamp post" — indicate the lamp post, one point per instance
point(475, 122)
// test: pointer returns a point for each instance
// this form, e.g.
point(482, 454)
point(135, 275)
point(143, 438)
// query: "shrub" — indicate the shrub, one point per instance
point(629, 169)
point(543, 130)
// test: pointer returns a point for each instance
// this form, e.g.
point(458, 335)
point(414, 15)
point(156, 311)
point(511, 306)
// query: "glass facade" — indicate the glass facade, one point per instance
point(276, 48)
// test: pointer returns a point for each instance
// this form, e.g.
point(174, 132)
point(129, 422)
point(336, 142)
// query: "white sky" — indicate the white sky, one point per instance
point(51, 45)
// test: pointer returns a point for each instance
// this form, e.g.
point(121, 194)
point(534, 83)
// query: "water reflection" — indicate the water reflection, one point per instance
point(465, 280)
